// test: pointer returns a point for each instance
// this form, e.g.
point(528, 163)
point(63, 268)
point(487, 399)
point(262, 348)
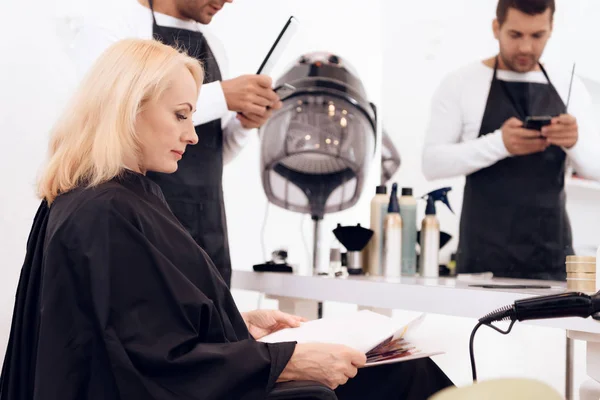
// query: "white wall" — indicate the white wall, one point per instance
point(34, 82)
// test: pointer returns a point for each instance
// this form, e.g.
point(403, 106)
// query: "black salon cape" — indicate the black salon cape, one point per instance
point(113, 303)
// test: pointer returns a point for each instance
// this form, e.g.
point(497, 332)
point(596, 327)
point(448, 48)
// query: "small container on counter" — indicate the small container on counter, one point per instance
point(581, 274)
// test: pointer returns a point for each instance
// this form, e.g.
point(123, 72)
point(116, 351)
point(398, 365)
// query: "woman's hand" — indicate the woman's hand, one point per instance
point(260, 323)
point(330, 364)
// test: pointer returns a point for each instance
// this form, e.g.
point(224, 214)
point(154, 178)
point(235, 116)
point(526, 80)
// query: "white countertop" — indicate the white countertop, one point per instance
point(447, 296)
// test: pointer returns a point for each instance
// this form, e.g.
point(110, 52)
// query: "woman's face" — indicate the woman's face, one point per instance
point(164, 126)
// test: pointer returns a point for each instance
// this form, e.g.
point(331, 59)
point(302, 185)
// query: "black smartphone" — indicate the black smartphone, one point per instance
point(537, 122)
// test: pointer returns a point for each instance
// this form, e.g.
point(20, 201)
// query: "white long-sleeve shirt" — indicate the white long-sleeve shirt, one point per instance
point(452, 147)
point(135, 21)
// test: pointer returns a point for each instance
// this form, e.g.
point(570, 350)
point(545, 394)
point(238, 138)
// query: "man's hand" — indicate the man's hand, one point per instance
point(563, 131)
point(251, 95)
point(252, 121)
point(260, 323)
point(520, 141)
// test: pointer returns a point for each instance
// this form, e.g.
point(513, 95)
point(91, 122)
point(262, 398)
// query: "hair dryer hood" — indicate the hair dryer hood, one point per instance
point(316, 150)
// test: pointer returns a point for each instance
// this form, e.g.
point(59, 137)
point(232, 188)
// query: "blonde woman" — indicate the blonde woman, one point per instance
point(116, 300)
point(231, 106)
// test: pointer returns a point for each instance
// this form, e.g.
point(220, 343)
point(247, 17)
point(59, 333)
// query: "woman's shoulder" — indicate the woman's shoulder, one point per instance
point(89, 205)
point(106, 193)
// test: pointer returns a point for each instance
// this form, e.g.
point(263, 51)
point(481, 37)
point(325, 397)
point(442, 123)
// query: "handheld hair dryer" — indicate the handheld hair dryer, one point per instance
point(572, 304)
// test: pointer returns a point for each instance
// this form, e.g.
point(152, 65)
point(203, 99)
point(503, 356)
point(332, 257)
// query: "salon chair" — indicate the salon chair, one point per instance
point(302, 390)
point(500, 389)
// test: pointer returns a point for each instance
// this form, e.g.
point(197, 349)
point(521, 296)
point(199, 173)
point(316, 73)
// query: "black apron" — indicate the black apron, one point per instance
point(514, 221)
point(195, 192)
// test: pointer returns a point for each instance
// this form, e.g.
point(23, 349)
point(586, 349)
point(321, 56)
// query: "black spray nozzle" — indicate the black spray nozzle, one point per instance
point(437, 195)
point(393, 206)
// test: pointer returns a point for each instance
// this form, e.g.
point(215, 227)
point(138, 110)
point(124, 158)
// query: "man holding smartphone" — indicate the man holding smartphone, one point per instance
point(487, 123)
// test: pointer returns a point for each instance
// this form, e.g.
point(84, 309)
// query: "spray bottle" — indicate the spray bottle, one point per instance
point(392, 248)
point(430, 234)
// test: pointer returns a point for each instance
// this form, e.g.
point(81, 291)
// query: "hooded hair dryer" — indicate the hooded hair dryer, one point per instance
point(316, 150)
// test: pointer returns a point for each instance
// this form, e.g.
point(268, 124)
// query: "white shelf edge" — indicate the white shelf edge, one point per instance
point(582, 184)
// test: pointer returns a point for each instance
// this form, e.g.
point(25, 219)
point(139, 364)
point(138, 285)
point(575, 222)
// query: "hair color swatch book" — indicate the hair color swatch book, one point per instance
point(381, 338)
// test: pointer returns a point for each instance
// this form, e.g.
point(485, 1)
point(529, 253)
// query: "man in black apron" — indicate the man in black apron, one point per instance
point(194, 192)
point(514, 221)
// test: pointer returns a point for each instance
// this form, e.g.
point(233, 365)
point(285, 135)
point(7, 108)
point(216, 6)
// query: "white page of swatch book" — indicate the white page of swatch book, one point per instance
point(361, 330)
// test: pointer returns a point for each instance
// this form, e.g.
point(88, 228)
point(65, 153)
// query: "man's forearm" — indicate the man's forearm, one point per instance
point(450, 160)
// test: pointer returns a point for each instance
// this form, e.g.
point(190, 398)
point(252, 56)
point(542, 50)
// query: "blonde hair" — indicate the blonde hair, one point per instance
point(95, 134)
